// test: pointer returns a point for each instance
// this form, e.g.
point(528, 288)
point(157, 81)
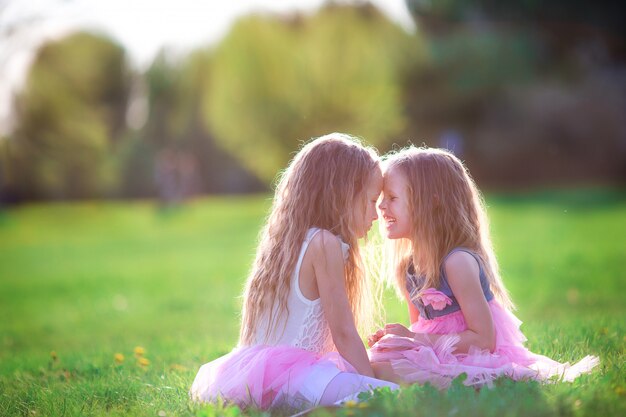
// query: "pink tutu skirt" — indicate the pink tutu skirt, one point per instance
point(436, 363)
point(268, 376)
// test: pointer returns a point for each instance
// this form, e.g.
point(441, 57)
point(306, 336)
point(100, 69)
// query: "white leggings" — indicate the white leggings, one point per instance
point(347, 386)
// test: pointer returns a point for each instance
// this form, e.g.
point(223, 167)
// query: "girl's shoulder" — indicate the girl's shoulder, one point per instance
point(462, 265)
point(459, 269)
point(461, 260)
point(322, 240)
point(325, 243)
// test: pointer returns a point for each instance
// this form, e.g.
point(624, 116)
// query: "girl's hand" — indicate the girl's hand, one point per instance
point(372, 339)
point(398, 330)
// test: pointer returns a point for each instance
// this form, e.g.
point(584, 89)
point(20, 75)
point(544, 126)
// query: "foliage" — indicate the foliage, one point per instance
point(70, 114)
point(175, 130)
point(510, 82)
point(278, 80)
point(522, 81)
point(606, 15)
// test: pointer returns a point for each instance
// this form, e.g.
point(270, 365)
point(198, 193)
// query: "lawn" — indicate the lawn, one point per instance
point(83, 285)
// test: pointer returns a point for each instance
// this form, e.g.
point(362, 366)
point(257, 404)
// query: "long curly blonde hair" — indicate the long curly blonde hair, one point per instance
point(448, 211)
point(323, 186)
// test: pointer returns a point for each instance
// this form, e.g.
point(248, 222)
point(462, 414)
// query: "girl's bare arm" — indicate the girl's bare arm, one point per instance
point(328, 265)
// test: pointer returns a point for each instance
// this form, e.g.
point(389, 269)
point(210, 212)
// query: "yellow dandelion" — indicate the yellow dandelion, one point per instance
point(54, 356)
point(350, 403)
point(119, 358)
point(139, 351)
point(143, 361)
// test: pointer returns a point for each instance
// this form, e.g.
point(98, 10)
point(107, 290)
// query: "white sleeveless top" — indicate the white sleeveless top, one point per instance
point(305, 326)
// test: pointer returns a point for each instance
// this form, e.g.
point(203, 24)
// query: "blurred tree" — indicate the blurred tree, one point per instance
point(69, 116)
point(173, 155)
point(605, 16)
point(461, 77)
point(276, 81)
point(565, 31)
point(524, 81)
point(218, 170)
point(5, 195)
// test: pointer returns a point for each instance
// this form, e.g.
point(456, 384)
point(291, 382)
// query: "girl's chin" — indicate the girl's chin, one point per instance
point(391, 235)
point(390, 231)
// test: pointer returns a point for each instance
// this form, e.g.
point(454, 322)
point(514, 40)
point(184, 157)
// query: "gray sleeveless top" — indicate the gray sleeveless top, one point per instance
point(414, 284)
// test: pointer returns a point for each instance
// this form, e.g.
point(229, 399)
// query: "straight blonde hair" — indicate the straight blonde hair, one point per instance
point(324, 186)
point(448, 211)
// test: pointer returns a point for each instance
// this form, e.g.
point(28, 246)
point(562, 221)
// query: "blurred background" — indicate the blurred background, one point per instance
point(171, 100)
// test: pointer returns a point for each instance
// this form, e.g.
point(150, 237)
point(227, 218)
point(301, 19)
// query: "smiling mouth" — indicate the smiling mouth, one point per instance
point(389, 220)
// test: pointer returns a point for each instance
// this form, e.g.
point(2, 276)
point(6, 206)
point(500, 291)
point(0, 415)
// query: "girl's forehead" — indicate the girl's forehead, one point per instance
point(376, 180)
point(394, 180)
point(393, 174)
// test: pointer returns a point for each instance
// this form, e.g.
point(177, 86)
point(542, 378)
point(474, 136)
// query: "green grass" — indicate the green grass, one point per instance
point(90, 280)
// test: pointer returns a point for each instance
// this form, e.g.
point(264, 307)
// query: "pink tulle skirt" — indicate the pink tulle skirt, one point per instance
point(268, 376)
point(436, 363)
